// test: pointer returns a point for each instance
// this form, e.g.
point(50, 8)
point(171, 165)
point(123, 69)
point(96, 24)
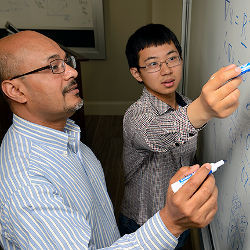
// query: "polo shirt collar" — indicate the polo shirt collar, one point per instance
point(161, 106)
point(59, 140)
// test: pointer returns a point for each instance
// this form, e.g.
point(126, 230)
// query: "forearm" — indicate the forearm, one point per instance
point(197, 114)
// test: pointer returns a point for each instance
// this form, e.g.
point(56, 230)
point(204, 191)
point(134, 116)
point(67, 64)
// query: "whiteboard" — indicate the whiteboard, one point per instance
point(47, 14)
point(66, 15)
point(221, 36)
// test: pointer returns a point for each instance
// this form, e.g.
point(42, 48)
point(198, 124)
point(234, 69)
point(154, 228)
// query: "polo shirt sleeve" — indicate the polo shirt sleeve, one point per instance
point(152, 235)
point(169, 129)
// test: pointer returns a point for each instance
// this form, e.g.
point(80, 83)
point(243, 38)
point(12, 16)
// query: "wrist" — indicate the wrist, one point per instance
point(170, 224)
point(197, 113)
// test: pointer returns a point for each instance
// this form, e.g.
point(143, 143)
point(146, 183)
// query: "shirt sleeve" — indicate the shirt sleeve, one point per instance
point(152, 235)
point(37, 218)
point(169, 130)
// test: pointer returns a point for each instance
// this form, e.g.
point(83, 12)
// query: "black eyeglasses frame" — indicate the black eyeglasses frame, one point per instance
point(46, 67)
point(160, 65)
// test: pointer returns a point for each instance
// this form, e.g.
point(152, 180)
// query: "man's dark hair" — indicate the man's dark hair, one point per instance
point(147, 36)
point(8, 65)
point(8, 68)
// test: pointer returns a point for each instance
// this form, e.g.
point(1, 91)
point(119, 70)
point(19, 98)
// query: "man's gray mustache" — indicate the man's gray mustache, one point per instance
point(68, 87)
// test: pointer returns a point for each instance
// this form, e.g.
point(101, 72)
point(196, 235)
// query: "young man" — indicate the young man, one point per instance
point(53, 193)
point(160, 129)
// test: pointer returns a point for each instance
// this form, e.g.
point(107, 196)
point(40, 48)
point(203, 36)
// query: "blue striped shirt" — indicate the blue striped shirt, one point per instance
point(53, 195)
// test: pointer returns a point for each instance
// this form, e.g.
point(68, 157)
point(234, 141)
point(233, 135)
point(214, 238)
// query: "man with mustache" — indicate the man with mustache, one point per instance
point(160, 129)
point(53, 193)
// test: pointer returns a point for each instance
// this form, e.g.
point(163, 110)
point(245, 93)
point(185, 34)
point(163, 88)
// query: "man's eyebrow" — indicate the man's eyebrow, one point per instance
point(171, 52)
point(55, 56)
point(151, 57)
point(154, 57)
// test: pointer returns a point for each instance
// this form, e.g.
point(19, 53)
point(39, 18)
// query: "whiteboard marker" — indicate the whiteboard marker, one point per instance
point(177, 185)
point(244, 68)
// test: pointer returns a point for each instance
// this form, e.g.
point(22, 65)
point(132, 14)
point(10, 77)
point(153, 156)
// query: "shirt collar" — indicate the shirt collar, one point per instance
point(59, 140)
point(161, 106)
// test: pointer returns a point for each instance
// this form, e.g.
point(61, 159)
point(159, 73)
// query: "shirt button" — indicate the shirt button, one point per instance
point(65, 153)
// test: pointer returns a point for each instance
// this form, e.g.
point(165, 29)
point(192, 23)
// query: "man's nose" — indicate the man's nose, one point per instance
point(165, 69)
point(70, 71)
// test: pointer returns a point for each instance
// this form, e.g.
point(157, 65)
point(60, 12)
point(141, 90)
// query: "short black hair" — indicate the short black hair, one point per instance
point(147, 36)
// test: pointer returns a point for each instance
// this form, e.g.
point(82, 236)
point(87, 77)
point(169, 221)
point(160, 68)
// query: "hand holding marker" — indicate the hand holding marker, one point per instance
point(244, 69)
point(177, 185)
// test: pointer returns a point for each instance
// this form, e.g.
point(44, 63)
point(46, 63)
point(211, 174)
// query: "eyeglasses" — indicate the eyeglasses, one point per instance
point(156, 66)
point(57, 66)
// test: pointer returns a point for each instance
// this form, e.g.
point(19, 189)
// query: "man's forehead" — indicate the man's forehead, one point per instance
point(32, 47)
point(159, 50)
point(27, 40)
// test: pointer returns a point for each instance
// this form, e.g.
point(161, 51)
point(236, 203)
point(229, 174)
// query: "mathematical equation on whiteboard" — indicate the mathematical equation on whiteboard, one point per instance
point(235, 131)
point(48, 14)
point(240, 20)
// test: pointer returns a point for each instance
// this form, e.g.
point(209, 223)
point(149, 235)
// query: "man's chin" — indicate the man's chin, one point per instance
point(73, 109)
point(78, 105)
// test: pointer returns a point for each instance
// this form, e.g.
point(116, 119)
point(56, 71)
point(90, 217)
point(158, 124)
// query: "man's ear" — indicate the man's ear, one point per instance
point(13, 91)
point(136, 74)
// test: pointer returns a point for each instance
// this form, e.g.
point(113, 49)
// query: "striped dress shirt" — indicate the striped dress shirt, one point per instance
point(158, 140)
point(53, 195)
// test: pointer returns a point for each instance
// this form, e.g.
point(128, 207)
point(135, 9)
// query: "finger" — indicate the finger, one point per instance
point(222, 76)
point(228, 88)
point(209, 208)
point(204, 192)
point(228, 105)
point(191, 186)
point(210, 216)
point(202, 215)
point(195, 216)
point(183, 172)
point(222, 70)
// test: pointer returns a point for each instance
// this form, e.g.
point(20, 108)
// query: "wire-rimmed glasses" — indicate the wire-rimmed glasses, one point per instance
point(57, 66)
point(156, 65)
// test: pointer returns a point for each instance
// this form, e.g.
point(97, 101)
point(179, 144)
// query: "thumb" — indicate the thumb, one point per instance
point(183, 172)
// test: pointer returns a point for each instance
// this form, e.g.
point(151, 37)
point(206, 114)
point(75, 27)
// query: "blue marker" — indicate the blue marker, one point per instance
point(177, 185)
point(244, 68)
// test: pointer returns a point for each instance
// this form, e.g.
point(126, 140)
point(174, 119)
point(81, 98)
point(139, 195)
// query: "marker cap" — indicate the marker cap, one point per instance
point(216, 165)
point(244, 68)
